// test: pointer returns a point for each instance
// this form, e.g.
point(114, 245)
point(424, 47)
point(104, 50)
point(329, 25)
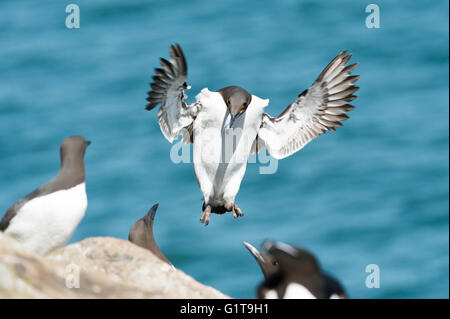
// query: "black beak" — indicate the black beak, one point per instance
point(87, 143)
point(152, 211)
point(255, 252)
point(267, 262)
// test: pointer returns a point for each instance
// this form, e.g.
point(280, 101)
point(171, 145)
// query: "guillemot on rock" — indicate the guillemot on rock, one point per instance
point(141, 234)
point(228, 125)
point(46, 218)
point(299, 276)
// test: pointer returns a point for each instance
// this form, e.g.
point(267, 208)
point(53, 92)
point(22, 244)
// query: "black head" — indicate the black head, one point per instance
point(267, 262)
point(292, 259)
point(141, 234)
point(236, 98)
point(297, 265)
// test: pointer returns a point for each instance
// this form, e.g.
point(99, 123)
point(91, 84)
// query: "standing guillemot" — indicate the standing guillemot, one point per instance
point(141, 234)
point(299, 276)
point(228, 125)
point(46, 218)
point(266, 262)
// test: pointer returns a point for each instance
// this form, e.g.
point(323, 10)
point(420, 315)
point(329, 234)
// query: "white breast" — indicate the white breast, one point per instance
point(297, 291)
point(271, 294)
point(219, 162)
point(47, 222)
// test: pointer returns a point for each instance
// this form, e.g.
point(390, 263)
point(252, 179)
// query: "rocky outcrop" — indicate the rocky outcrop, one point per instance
point(98, 267)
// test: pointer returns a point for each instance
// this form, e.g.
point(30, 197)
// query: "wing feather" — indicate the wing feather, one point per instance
point(316, 110)
point(168, 89)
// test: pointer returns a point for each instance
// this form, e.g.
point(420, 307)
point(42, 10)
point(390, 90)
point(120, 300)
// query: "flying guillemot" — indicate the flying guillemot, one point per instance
point(141, 234)
point(299, 276)
point(228, 125)
point(46, 218)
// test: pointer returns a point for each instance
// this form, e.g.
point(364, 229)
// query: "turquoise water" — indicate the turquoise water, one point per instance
point(374, 192)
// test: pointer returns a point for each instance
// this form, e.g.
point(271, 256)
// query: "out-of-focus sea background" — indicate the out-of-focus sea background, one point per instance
point(374, 192)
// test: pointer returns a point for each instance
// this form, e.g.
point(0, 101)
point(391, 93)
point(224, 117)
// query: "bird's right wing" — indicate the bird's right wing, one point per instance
point(167, 89)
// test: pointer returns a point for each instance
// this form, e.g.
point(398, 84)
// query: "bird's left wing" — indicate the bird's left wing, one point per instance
point(175, 117)
point(315, 111)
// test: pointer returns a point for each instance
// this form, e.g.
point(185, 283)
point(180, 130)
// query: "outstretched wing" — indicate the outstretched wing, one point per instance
point(315, 111)
point(167, 89)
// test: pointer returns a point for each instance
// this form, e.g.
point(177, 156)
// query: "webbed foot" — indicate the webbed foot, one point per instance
point(237, 212)
point(206, 216)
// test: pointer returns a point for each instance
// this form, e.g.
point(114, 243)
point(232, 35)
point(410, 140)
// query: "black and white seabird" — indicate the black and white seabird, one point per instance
point(266, 262)
point(46, 218)
point(299, 276)
point(141, 234)
point(228, 125)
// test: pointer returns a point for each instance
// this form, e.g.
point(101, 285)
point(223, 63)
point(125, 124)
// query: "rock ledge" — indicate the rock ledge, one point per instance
point(101, 267)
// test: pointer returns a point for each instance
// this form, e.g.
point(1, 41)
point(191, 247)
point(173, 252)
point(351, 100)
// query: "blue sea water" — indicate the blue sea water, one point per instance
point(374, 192)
